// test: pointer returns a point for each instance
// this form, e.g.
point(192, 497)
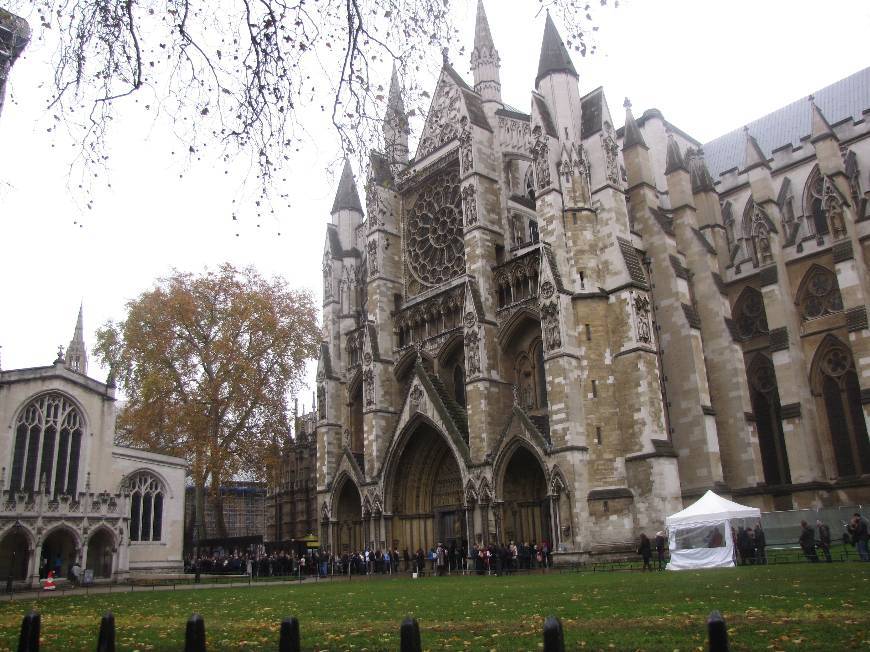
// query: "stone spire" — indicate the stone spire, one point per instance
point(395, 123)
point(346, 197)
point(633, 136)
point(76, 354)
point(554, 54)
point(754, 156)
point(484, 59)
point(674, 160)
point(821, 128)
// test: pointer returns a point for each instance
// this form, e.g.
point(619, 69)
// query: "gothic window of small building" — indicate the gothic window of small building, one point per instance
point(764, 395)
point(146, 506)
point(823, 201)
point(48, 438)
point(819, 293)
point(757, 227)
point(749, 314)
point(835, 382)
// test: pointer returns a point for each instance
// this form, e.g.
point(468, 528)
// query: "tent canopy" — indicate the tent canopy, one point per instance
point(711, 507)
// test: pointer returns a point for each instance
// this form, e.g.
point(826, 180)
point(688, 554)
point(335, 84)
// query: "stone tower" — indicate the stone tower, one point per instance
point(76, 354)
point(14, 36)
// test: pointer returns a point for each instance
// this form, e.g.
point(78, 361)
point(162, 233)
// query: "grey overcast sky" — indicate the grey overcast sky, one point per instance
point(708, 66)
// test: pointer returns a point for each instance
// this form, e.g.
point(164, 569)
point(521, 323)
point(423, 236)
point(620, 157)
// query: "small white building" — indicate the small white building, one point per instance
point(68, 492)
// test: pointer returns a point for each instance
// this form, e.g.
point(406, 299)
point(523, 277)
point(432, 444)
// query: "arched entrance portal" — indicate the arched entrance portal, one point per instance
point(526, 508)
point(60, 551)
point(14, 553)
point(100, 553)
point(348, 513)
point(427, 494)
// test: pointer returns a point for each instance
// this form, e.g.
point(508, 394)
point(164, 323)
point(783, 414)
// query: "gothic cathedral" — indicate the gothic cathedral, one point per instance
point(548, 329)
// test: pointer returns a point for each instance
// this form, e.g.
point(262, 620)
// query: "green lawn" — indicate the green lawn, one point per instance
point(787, 607)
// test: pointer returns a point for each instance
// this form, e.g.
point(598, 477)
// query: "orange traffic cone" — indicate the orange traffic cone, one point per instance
point(48, 582)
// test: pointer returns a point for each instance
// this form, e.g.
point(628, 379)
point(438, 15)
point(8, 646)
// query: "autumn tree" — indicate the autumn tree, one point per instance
point(234, 75)
point(207, 363)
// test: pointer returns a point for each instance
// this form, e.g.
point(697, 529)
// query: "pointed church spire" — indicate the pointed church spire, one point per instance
point(754, 156)
point(395, 123)
point(485, 60)
point(76, 355)
point(674, 160)
point(554, 54)
point(702, 180)
point(632, 136)
point(821, 128)
point(346, 197)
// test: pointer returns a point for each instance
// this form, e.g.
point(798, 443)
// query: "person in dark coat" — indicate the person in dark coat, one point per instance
point(760, 545)
point(660, 549)
point(824, 539)
point(645, 551)
point(807, 542)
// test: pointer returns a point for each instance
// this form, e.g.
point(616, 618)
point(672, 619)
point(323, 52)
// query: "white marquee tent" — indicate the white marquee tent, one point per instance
point(700, 535)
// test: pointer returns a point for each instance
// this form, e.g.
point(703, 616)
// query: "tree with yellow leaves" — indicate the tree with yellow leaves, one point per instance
point(207, 363)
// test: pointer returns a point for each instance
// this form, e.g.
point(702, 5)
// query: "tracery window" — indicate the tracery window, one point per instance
point(764, 395)
point(434, 230)
point(48, 438)
point(749, 314)
point(824, 203)
point(836, 381)
point(146, 506)
point(819, 294)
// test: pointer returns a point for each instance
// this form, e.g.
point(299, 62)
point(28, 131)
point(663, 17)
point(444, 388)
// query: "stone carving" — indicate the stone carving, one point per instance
point(469, 204)
point(547, 289)
point(346, 437)
point(514, 134)
point(321, 402)
point(550, 319)
point(369, 386)
point(583, 170)
point(470, 319)
point(367, 358)
point(611, 154)
point(373, 258)
point(436, 247)
point(541, 157)
point(466, 150)
point(472, 352)
point(641, 313)
point(416, 396)
point(441, 122)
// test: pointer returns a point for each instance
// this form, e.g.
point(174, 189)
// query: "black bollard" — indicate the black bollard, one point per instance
point(409, 636)
point(28, 641)
point(289, 641)
point(106, 639)
point(194, 636)
point(554, 637)
point(717, 633)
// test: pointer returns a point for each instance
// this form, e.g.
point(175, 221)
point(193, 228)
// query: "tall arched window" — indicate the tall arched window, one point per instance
point(819, 293)
point(749, 314)
point(146, 506)
point(766, 407)
point(48, 439)
point(835, 381)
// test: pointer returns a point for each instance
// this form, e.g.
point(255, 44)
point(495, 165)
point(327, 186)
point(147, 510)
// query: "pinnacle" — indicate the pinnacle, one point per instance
point(482, 35)
point(346, 197)
point(554, 54)
point(821, 128)
point(394, 101)
point(633, 136)
point(674, 160)
point(754, 156)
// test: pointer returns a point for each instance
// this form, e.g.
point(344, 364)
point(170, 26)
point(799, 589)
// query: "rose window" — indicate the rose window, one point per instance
point(821, 295)
point(435, 245)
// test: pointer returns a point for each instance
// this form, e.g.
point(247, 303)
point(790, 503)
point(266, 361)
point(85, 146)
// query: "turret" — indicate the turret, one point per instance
point(557, 81)
point(76, 354)
point(395, 124)
point(825, 142)
point(485, 60)
point(347, 212)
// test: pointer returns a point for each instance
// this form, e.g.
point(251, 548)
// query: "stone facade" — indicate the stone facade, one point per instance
point(532, 333)
point(291, 506)
point(68, 492)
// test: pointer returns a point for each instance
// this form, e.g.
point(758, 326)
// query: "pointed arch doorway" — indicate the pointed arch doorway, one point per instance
point(526, 506)
point(348, 513)
point(427, 493)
